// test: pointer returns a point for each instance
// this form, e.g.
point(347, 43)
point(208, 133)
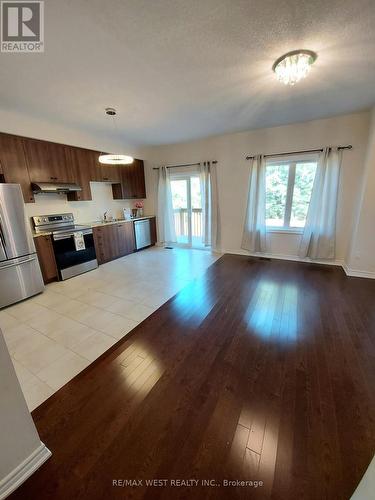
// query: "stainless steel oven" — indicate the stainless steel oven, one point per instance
point(73, 244)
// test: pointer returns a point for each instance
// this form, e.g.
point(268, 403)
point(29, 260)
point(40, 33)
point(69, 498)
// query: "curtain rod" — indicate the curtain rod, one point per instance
point(183, 165)
point(299, 152)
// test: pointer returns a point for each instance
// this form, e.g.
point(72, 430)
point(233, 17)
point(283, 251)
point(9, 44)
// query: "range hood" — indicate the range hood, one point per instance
point(54, 187)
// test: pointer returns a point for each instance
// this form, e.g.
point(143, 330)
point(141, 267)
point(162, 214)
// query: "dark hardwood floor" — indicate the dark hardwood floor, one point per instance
point(259, 371)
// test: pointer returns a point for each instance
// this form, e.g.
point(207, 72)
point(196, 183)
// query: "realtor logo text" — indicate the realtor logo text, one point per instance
point(22, 26)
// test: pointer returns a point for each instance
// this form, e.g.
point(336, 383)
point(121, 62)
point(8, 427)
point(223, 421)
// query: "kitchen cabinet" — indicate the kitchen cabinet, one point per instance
point(125, 238)
point(48, 161)
point(114, 241)
point(132, 182)
point(106, 243)
point(153, 232)
point(46, 257)
point(85, 168)
point(109, 173)
point(24, 161)
point(13, 165)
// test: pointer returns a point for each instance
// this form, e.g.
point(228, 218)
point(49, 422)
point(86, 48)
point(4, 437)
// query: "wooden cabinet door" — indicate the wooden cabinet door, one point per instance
point(46, 257)
point(132, 182)
point(138, 174)
point(109, 173)
point(153, 232)
point(126, 240)
point(48, 161)
point(85, 170)
point(13, 164)
point(60, 162)
point(106, 243)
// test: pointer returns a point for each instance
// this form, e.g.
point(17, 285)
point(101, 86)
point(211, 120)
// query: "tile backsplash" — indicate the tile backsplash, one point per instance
point(84, 211)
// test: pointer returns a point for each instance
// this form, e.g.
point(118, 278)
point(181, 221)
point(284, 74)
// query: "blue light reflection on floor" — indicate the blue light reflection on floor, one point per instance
point(194, 299)
point(272, 311)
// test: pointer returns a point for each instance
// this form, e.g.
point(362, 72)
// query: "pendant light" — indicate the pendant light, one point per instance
point(293, 66)
point(114, 159)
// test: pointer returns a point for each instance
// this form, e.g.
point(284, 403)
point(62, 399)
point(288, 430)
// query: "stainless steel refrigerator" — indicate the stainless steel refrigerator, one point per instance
point(20, 275)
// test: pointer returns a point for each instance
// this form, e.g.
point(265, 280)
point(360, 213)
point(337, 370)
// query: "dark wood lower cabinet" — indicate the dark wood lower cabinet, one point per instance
point(106, 243)
point(153, 232)
point(126, 240)
point(116, 240)
point(46, 257)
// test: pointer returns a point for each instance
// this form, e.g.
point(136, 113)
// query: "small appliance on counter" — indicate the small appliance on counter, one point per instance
point(20, 275)
point(127, 213)
point(73, 245)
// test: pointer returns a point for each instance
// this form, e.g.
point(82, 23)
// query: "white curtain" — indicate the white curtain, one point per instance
point(210, 205)
point(166, 229)
point(254, 232)
point(318, 240)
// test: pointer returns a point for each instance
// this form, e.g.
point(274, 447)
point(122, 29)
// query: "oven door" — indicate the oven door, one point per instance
point(70, 261)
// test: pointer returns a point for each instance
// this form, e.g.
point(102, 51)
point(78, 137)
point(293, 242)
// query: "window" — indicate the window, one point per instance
point(288, 192)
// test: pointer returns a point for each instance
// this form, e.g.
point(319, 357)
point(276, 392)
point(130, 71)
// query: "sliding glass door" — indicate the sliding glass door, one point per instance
point(187, 208)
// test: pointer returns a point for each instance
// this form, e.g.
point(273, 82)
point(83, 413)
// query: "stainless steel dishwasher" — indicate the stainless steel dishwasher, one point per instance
point(142, 233)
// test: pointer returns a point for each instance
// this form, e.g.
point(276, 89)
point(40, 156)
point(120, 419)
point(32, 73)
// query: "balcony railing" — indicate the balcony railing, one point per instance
point(181, 224)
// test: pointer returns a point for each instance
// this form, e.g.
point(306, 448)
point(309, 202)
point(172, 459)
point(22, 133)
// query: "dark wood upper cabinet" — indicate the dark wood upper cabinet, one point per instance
point(85, 169)
point(13, 164)
point(132, 182)
point(109, 173)
point(139, 178)
point(48, 161)
point(24, 161)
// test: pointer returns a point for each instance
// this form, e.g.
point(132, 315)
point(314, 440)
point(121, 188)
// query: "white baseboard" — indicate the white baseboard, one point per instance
point(356, 273)
point(295, 258)
point(338, 262)
point(24, 470)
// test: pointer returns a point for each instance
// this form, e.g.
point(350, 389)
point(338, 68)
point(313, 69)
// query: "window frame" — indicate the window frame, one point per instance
point(292, 162)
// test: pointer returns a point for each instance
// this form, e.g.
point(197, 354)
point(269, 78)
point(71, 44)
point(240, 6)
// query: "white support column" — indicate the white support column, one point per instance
point(21, 451)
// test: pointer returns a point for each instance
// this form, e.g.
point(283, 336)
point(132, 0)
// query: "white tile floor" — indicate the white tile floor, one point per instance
point(55, 335)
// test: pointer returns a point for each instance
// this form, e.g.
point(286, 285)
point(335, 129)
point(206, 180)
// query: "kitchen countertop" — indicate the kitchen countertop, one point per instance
point(97, 224)
point(117, 221)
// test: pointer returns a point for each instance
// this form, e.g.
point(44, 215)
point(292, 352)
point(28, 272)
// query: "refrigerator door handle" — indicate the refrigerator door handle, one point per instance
point(2, 239)
point(17, 263)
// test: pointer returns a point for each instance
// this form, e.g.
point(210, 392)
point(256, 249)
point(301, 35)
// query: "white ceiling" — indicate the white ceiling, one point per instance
point(183, 69)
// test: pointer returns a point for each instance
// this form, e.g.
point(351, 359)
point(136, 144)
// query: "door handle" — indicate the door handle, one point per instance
point(17, 263)
point(2, 238)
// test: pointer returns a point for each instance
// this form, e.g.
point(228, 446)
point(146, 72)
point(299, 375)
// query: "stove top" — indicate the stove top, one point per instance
point(56, 224)
point(70, 229)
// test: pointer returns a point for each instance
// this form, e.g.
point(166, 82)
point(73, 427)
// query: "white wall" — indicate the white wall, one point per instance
point(21, 451)
point(84, 211)
point(362, 254)
point(230, 151)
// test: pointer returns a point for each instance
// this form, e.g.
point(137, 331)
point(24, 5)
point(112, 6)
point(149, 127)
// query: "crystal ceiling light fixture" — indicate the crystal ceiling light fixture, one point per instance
point(114, 159)
point(293, 66)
